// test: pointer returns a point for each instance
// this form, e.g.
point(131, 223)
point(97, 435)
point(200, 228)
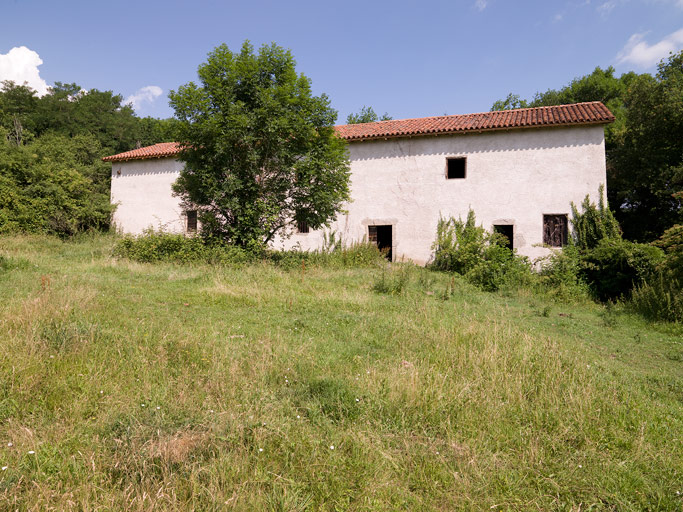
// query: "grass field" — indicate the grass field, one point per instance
point(127, 386)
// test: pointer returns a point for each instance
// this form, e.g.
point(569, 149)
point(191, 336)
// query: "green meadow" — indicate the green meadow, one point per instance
point(130, 386)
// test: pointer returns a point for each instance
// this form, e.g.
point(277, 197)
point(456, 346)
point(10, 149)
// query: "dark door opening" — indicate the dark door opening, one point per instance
point(507, 231)
point(381, 235)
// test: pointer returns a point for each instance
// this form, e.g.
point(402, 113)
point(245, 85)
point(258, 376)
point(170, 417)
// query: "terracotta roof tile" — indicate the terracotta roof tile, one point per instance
point(560, 115)
point(156, 151)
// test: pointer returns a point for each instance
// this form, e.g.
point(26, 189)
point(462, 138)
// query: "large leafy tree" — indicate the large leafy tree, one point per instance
point(260, 149)
point(646, 167)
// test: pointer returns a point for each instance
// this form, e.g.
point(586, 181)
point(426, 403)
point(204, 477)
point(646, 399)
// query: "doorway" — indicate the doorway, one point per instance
point(507, 231)
point(382, 237)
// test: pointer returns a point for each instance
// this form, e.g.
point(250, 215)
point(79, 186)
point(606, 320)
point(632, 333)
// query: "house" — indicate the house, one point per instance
point(519, 170)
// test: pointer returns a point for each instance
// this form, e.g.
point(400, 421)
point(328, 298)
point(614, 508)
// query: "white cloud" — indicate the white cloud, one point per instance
point(144, 96)
point(607, 7)
point(639, 53)
point(20, 65)
point(481, 4)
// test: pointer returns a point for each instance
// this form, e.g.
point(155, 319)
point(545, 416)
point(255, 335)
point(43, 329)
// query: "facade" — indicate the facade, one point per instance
point(518, 170)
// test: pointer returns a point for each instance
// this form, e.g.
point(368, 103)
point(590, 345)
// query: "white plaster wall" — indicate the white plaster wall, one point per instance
point(513, 177)
point(141, 189)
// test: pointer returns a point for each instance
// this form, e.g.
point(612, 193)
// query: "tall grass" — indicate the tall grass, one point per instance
point(134, 386)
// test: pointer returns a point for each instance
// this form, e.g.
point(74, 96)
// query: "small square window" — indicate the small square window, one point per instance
point(302, 226)
point(191, 221)
point(456, 168)
point(555, 231)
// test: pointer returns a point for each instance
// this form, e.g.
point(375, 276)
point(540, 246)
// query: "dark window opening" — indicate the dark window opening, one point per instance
point(507, 230)
point(456, 168)
point(555, 230)
point(191, 220)
point(302, 226)
point(381, 236)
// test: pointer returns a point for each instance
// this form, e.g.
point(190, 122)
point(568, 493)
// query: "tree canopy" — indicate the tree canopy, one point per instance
point(52, 178)
point(367, 115)
point(260, 149)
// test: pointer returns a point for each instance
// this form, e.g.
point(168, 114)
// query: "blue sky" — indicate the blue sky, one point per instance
point(410, 59)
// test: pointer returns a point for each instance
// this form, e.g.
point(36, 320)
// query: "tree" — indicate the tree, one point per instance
point(366, 115)
point(512, 101)
point(646, 167)
point(260, 151)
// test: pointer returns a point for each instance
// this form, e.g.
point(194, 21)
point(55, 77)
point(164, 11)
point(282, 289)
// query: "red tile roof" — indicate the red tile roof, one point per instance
point(156, 151)
point(575, 114)
point(560, 115)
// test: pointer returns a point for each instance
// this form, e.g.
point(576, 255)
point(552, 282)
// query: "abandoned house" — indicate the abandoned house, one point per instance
point(519, 170)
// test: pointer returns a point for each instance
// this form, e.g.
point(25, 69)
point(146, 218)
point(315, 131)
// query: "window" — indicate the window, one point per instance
point(191, 221)
point(507, 230)
point(456, 168)
point(555, 230)
point(302, 226)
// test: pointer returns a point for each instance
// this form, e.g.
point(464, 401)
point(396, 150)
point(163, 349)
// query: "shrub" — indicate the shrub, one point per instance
point(594, 223)
point(560, 274)
point(156, 246)
point(480, 256)
point(672, 244)
point(661, 298)
point(614, 267)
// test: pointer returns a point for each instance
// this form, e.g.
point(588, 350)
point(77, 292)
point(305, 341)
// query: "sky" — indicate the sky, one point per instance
point(409, 59)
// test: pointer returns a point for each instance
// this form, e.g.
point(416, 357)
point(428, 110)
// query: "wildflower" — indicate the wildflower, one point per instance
point(158, 407)
point(31, 452)
point(211, 410)
point(10, 444)
point(101, 392)
point(331, 447)
point(580, 466)
point(142, 405)
point(260, 450)
point(357, 399)
point(298, 417)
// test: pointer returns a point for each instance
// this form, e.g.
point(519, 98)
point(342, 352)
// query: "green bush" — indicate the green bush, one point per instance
point(158, 246)
point(480, 256)
point(614, 267)
point(672, 244)
point(155, 246)
point(560, 274)
point(661, 298)
point(51, 186)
